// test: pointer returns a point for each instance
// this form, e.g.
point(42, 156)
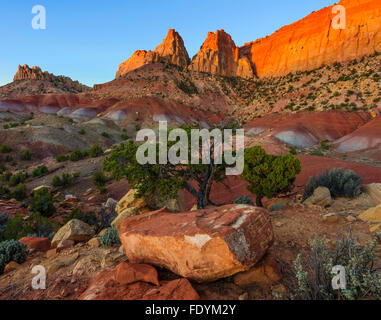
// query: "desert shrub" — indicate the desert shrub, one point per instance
point(88, 217)
point(6, 176)
point(269, 175)
point(8, 158)
point(11, 250)
point(62, 158)
point(5, 149)
point(99, 179)
point(244, 200)
point(82, 131)
point(15, 228)
point(105, 134)
point(317, 153)
point(124, 136)
point(19, 193)
point(293, 151)
point(4, 192)
point(314, 277)
point(17, 179)
point(3, 222)
point(109, 238)
point(277, 207)
point(95, 151)
point(77, 155)
point(40, 226)
point(26, 155)
point(65, 180)
point(42, 202)
point(40, 171)
point(340, 182)
point(187, 87)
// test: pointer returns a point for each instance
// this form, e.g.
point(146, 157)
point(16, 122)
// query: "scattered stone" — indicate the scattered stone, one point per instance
point(331, 218)
point(351, 218)
point(111, 204)
point(244, 296)
point(321, 197)
point(58, 264)
point(203, 245)
point(129, 201)
point(105, 287)
point(127, 273)
point(279, 224)
point(36, 243)
point(129, 212)
point(372, 215)
point(374, 191)
point(11, 266)
point(264, 273)
point(94, 242)
point(64, 244)
point(51, 253)
point(41, 187)
point(75, 230)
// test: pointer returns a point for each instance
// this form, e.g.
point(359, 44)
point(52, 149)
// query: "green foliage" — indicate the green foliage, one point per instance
point(11, 250)
point(340, 182)
point(77, 155)
point(82, 131)
point(17, 179)
point(95, 151)
point(3, 222)
point(40, 171)
point(19, 193)
point(62, 158)
point(4, 192)
point(65, 180)
point(15, 228)
point(109, 238)
point(105, 134)
point(88, 217)
point(293, 151)
point(187, 87)
point(314, 277)
point(26, 155)
point(5, 149)
point(276, 207)
point(99, 179)
point(42, 202)
point(244, 200)
point(269, 175)
point(166, 180)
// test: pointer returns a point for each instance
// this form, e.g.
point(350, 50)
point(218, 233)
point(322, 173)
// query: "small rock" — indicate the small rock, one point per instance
point(51, 253)
point(279, 224)
point(330, 218)
point(127, 273)
point(374, 191)
point(11, 266)
point(279, 291)
point(129, 212)
point(94, 242)
point(321, 197)
point(244, 296)
point(36, 243)
point(75, 230)
point(64, 244)
point(350, 218)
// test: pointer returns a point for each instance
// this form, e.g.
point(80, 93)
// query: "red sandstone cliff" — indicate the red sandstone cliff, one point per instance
point(220, 55)
point(171, 50)
point(306, 44)
point(312, 42)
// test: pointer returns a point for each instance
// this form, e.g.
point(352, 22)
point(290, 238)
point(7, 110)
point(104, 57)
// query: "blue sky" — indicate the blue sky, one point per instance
point(87, 39)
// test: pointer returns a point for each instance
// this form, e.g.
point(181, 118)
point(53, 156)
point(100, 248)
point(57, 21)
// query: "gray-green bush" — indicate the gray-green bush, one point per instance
point(314, 277)
point(11, 250)
point(110, 237)
point(340, 182)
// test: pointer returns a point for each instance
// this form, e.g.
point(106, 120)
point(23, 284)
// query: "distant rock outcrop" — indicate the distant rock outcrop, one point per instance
point(171, 50)
point(220, 55)
point(35, 73)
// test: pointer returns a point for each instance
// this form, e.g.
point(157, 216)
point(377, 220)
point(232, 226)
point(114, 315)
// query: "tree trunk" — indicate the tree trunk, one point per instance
point(258, 201)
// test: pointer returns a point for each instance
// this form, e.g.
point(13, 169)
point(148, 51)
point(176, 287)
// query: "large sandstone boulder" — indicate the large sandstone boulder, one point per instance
point(75, 230)
point(374, 191)
point(203, 245)
point(320, 197)
point(106, 287)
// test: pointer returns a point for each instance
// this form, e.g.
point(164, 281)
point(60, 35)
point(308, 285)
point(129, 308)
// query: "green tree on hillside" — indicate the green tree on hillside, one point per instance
point(269, 175)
